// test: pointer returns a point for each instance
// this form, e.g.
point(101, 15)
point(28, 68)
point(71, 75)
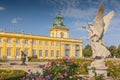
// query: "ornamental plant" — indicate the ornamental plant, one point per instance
point(63, 69)
point(11, 74)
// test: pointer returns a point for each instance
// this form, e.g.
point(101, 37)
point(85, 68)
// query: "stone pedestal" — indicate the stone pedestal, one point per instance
point(98, 66)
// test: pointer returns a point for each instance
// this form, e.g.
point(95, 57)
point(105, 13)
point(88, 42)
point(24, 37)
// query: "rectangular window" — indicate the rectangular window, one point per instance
point(40, 53)
point(77, 47)
point(47, 43)
point(18, 41)
point(52, 43)
point(8, 51)
point(26, 42)
point(17, 52)
point(34, 52)
point(67, 52)
point(34, 42)
point(0, 52)
point(67, 46)
point(9, 41)
point(0, 40)
point(40, 42)
point(46, 53)
point(58, 53)
point(52, 53)
point(77, 53)
point(58, 43)
point(26, 52)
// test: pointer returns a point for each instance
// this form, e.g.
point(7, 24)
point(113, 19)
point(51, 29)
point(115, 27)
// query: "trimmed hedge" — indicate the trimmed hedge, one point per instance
point(12, 74)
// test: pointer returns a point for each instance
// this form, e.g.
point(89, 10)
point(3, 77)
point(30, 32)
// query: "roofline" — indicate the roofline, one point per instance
point(59, 28)
point(29, 36)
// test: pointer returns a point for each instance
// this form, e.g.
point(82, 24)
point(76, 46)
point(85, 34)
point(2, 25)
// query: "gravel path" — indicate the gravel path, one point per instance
point(33, 66)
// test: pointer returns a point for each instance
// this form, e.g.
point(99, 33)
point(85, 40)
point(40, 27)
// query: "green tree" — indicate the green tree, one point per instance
point(87, 52)
point(112, 50)
point(118, 52)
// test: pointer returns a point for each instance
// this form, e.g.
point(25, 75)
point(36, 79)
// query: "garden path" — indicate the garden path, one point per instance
point(16, 65)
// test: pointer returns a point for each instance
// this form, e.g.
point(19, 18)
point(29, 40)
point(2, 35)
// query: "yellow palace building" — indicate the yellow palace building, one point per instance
point(55, 46)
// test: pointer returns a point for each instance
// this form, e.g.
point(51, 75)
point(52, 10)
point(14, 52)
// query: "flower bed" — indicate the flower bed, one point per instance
point(64, 69)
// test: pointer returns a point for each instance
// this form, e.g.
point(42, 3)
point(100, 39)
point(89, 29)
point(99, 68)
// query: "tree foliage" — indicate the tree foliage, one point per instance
point(87, 52)
point(115, 51)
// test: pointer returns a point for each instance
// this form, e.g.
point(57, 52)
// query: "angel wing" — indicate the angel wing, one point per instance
point(107, 20)
point(99, 22)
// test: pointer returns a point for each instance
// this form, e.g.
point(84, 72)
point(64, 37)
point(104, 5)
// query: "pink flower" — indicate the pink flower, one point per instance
point(65, 74)
point(27, 75)
point(38, 78)
point(60, 75)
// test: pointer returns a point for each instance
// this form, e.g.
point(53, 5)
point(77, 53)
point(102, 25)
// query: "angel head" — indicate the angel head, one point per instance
point(90, 25)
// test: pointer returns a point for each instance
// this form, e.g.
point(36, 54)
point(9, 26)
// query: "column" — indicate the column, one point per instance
point(30, 48)
point(43, 50)
point(73, 50)
point(13, 52)
point(49, 49)
point(37, 48)
point(4, 50)
point(55, 56)
point(62, 49)
point(81, 51)
point(22, 45)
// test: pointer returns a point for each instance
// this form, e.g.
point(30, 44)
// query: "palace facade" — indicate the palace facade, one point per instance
point(55, 46)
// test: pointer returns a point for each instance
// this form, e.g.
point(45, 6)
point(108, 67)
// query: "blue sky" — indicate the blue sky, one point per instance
point(37, 16)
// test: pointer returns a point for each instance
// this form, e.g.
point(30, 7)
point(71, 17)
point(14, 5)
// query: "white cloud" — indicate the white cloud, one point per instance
point(2, 8)
point(77, 13)
point(16, 20)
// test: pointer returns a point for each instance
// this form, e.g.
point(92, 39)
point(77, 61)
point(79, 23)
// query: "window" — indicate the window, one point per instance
point(34, 52)
point(58, 54)
point(40, 53)
point(46, 53)
point(17, 52)
point(52, 34)
point(18, 41)
point(77, 53)
point(52, 43)
point(26, 52)
point(67, 52)
point(26, 42)
point(62, 34)
point(40, 42)
point(77, 47)
point(34, 42)
point(58, 43)
point(67, 46)
point(8, 51)
point(0, 51)
point(52, 53)
point(9, 41)
point(0, 40)
point(46, 43)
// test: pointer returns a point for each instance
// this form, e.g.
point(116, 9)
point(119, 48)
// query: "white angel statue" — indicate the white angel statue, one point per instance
point(97, 31)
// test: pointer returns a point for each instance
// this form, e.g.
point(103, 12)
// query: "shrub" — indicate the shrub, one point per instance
point(62, 69)
point(11, 74)
point(114, 69)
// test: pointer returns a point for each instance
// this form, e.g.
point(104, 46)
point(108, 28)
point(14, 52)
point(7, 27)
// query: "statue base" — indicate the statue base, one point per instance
point(97, 68)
